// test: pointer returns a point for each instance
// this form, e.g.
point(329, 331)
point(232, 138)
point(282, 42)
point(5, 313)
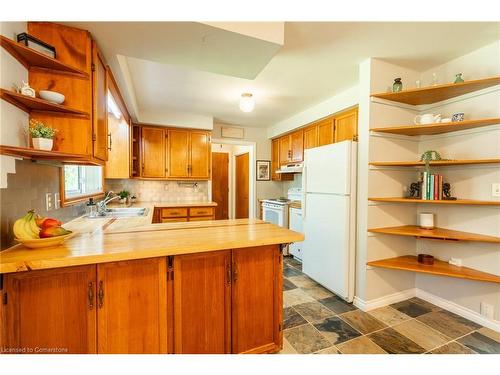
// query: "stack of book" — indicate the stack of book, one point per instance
point(432, 186)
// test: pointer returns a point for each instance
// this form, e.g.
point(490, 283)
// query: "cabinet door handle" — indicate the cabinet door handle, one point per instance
point(110, 141)
point(90, 295)
point(235, 272)
point(101, 294)
point(228, 273)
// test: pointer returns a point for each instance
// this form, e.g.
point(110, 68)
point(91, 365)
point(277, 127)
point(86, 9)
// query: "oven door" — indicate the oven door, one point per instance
point(273, 215)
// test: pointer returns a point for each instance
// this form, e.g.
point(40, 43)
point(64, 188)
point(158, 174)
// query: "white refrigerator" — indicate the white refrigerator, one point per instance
point(329, 216)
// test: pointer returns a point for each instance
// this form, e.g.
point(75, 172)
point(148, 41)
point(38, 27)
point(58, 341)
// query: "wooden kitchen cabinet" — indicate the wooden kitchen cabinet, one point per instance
point(51, 309)
point(132, 306)
point(178, 153)
point(202, 303)
point(153, 152)
point(311, 137)
point(189, 154)
point(118, 164)
point(292, 147)
point(181, 214)
point(346, 126)
point(284, 149)
point(275, 162)
point(256, 299)
point(326, 131)
point(99, 105)
point(200, 154)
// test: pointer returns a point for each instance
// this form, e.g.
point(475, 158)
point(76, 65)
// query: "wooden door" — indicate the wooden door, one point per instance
point(285, 150)
point(178, 153)
point(346, 126)
point(202, 303)
point(241, 181)
point(310, 137)
point(297, 146)
point(118, 164)
point(256, 299)
point(51, 309)
point(326, 131)
point(153, 152)
point(200, 149)
point(132, 306)
point(100, 105)
point(220, 184)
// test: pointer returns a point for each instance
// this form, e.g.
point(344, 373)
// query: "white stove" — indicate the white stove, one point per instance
point(275, 210)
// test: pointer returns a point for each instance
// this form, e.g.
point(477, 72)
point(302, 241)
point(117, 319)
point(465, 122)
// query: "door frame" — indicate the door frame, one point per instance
point(252, 199)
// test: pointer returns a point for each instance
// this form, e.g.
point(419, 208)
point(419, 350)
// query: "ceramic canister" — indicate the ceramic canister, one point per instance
point(426, 220)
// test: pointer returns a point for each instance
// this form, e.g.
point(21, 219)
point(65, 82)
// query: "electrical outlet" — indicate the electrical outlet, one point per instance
point(57, 201)
point(456, 262)
point(48, 201)
point(495, 190)
point(487, 310)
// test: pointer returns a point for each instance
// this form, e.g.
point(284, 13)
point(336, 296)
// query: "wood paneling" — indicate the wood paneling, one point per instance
point(326, 131)
point(346, 126)
point(100, 105)
point(256, 299)
point(132, 306)
point(153, 152)
point(202, 303)
point(311, 136)
point(241, 183)
point(118, 164)
point(440, 268)
point(178, 153)
point(220, 184)
point(436, 233)
point(52, 309)
point(200, 152)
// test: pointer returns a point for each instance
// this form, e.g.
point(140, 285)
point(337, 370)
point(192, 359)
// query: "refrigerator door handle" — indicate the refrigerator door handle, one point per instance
point(304, 192)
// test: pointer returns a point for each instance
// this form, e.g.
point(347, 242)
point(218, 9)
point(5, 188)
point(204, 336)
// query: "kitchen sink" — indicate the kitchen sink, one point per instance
point(124, 212)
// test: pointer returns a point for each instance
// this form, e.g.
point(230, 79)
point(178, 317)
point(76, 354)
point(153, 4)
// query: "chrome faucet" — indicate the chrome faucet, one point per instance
point(101, 206)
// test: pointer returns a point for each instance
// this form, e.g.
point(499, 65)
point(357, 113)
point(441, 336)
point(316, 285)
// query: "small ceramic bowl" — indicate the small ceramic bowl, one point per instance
point(52, 96)
point(45, 242)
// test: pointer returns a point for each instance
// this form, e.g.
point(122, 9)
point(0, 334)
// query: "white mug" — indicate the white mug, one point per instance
point(427, 118)
point(426, 220)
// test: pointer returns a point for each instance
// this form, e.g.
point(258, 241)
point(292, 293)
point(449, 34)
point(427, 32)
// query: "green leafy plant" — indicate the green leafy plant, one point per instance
point(39, 130)
point(123, 194)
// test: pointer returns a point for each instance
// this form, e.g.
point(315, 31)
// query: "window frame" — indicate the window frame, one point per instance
point(65, 202)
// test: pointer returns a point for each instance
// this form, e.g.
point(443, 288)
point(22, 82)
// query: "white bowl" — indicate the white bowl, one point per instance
point(52, 96)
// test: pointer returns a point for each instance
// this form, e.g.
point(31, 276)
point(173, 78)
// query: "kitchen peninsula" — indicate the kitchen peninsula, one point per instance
point(123, 286)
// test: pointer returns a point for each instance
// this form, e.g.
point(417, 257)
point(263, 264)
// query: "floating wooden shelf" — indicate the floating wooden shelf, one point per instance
point(29, 104)
point(436, 233)
point(34, 59)
point(33, 154)
point(434, 94)
point(440, 268)
point(438, 128)
point(433, 163)
point(466, 202)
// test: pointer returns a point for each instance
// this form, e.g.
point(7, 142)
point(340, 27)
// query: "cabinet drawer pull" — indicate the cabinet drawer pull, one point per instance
point(90, 295)
point(110, 142)
point(101, 294)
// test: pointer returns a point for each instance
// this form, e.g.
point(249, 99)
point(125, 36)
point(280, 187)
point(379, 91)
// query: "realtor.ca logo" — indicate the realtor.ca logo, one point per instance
point(28, 350)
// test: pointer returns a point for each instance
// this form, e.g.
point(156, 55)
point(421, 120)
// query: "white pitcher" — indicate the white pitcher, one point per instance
point(427, 118)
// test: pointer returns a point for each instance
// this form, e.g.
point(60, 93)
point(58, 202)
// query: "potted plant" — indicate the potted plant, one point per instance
point(41, 135)
point(124, 194)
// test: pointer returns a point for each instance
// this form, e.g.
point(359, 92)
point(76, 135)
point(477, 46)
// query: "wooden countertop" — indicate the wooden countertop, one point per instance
point(104, 244)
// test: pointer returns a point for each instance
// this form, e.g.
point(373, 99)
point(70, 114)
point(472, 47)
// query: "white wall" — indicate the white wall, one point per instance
point(264, 189)
point(337, 103)
point(175, 118)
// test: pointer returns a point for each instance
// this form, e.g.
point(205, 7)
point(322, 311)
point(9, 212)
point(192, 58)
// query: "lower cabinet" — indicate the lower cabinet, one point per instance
point(179, 214)
point(132, 306)
point(227, 301)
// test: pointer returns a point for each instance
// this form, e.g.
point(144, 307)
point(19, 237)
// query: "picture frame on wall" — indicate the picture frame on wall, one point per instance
point(263, 170)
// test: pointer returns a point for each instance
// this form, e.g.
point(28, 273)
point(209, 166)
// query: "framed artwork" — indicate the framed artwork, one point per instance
point(263, 170)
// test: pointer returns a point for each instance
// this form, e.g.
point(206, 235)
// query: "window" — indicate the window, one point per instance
point(81, 182)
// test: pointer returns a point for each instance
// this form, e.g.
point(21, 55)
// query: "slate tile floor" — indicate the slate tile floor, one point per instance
point(317, 321)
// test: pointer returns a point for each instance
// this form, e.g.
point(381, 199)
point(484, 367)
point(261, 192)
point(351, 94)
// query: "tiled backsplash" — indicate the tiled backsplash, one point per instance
point(26, 190)
point(149, 191)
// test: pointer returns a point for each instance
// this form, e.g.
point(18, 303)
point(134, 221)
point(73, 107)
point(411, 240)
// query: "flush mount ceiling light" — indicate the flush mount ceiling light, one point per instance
point(247, 102)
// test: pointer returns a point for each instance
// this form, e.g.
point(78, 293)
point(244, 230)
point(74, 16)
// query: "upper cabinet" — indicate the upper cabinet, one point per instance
point(178, 153)
point(200, 154)
point(311, 136)
point(292, 147)
point(326, 131)
point(346, 126)
point(153, 152)
point(99, 105)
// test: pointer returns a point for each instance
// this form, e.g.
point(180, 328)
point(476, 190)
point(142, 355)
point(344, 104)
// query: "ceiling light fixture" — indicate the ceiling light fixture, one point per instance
point(247, 102)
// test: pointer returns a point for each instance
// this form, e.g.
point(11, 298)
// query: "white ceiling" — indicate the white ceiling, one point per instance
point(317, 61)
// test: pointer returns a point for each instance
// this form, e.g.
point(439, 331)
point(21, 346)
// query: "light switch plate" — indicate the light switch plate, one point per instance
point(48, 201)
point(487, 310)
point(57, 201)
point(495, 189)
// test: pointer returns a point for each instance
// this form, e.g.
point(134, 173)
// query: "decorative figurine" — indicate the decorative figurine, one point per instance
point(415, 188)
point(458, 78)
point(27, 90)
point(447, 192)
point(429, 156)
point(397, 86)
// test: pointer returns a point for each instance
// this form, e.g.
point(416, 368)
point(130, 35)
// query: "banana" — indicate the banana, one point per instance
point(26, 228)
point(18, 228)
point(35, 229)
